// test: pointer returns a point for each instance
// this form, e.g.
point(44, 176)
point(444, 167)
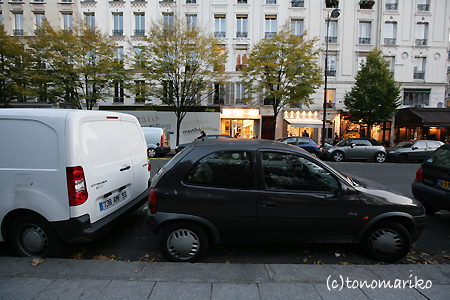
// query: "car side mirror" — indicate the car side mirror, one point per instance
point(342, 190)
point(353, 145)
point(414, 148)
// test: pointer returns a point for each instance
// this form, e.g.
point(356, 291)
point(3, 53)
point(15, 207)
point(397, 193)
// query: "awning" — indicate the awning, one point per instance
point(426, 117)
point(306, 122)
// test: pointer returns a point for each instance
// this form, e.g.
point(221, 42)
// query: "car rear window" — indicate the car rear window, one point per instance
point(441, 157)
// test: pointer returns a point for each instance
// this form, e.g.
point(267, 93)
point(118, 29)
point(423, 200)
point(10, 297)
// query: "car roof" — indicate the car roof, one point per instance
point(245, 144)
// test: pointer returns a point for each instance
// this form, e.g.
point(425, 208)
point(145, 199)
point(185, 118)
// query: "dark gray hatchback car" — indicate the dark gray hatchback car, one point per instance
point(238, 190)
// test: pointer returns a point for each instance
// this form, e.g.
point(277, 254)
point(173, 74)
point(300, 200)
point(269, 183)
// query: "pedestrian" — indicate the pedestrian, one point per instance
point(202, 135)
point(305, 134)
point(336, 139)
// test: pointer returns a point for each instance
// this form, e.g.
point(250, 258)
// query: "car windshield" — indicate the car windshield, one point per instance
point(343, 143)
point(406, 144)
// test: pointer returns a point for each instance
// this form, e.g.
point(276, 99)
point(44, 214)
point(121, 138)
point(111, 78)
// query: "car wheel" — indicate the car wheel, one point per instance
point(403, 158)
point(338, 156)
point(380, 157)
point(33, 236)
point(183, 242)
point(386, 241)
point(151, 153)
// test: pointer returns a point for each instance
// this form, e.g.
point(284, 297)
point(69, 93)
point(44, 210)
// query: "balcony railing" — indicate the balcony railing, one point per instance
point(241, 1)
point(118, 32)
point(421, 42)
point(298, 3)
point(191, 1)
point(220, 34)
point(269, 34)
point(331, 39)
point(331, 73)
point(239, 67)
point(364, 41)
point(391, 6)
point(331, 3)
point(423, 7)
point(419, 75)
point(243, 34)
point(18, 32)
point(139, 32)
point(118, 99)
point(271, 1)
point(330, 105)
point(390, 41)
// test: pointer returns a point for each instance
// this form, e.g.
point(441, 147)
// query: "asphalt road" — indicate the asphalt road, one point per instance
point(132, 240)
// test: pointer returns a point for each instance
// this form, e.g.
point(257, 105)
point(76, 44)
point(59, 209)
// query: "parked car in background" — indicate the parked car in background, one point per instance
point(348, 149)
point(432, 183)
point(303, 142)
point(158, 141)
point(412, 150)
point(212, 136)
point(261, 191)
point(67, 176)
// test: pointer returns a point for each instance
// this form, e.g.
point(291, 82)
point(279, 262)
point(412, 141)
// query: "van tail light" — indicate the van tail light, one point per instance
point(419, 174)
point(76, 186)
point(152, 201)
point(149, 165)
point(162, 140)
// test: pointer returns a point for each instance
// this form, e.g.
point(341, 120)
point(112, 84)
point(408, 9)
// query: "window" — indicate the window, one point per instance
point(241, 59)
point(18, 23)
point(421, 34)
point(416, 97)
point(391, 4)
point(330, 99)
point(297, 3)
point(241, 26)
point(288, 172)
point(118, 92)
point(332, 32)
point(361, 62)
point(219, 93)
point(331, 72)
point(139, 24)
point(168, 91)
point(39, 18)
point(67, 19)
point(138, 59)
point(225, 169)
point(390, 33)
point(271, 26)
point(423, 5)
point(140, 95)
point(297, 27)
point(241, 92)
point(220, 29)
point(391, 61)
point(90, 20)
point(365, 30)
point(118, 25)
point(191, 20)
point(119, 54)
point(168, 21)
point(419, 69)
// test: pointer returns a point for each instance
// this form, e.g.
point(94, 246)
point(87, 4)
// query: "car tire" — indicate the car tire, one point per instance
point(380, 157)
point(386, 241)
point(151, 152)
point(402, 158)
point(183, 242)
point(31, 235)
point(338, 156)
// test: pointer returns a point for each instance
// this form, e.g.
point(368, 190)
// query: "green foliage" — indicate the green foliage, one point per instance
point(375, 96)
point(13, 64)
point(179, 64)
point(284, 69)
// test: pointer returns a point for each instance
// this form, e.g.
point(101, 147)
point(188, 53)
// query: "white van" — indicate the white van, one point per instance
point(158, 141)
point(67, 176)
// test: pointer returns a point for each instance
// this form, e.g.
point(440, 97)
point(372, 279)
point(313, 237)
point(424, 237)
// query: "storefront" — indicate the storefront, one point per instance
point(240, 122)
point(297, 122)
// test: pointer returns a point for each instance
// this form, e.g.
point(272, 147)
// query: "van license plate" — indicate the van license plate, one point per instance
point(113, 200)
point(444, 183)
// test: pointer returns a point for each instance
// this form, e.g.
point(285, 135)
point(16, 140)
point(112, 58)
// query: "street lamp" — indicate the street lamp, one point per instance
point(334, 14)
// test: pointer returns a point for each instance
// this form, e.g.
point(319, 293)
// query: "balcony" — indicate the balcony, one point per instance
point(242, 1)
point(331, 39)
point(298, 3)
point(139, 32)
point(269, 34)
point(18, 32)
point(271, 1)
point(390, 41)
point(239, 67)
point(242, 34)
point(419, 75)
point(331, 73)
point(391, 6)
point(366, 4)
point(423, 7)
point(118, 32)
point(421, 42)
point(220, 34)
point(332, 3)
point(191, 1)
point(364, 41)
point(331, 105)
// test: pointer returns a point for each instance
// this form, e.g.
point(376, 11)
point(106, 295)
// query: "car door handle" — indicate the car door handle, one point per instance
point(125, 168)
point(269, 204)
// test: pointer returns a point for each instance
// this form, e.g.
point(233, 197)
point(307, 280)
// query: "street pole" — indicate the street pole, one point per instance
point(334, 14)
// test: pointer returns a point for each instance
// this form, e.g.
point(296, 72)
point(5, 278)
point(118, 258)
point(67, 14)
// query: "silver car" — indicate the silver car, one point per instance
point(355, 149)
point(412, 150)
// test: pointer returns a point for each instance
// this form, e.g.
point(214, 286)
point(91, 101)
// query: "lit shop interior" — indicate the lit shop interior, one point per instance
point(240, 123)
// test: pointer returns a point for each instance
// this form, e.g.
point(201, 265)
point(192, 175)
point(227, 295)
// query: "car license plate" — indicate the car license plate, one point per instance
point(112, 200)
point(444, 184)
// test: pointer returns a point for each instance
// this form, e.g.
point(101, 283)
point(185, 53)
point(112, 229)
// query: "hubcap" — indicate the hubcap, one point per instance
point(183, 244)
point(386, 242)
point(33, 240)
point(380, 157)
point(338, 156)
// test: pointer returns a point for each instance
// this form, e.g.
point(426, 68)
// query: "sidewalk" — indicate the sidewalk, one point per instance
point(92, 279)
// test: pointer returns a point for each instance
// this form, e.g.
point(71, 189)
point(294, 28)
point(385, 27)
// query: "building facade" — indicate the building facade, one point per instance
point(412, 34)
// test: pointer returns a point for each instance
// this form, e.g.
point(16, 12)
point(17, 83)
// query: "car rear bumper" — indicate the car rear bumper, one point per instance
point(80, 229)
point(433, 196)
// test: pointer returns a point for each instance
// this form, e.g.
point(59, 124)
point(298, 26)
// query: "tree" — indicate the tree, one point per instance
point(76, 66)
point(13, 64)
point(284, 69)
point(178, 61)
point(375, 96)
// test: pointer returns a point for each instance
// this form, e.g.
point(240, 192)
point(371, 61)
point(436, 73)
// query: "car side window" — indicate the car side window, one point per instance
point(288, 172)
point(227, 169)
point(303, 141)
point(433, 145)
point(290, 141)
point(422, 145)
point(362, 143)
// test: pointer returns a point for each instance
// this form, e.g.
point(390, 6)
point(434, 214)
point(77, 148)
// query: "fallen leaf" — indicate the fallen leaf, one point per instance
point(36, 261)
point(305, 260)
point(101, 257)
point(136, 271)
